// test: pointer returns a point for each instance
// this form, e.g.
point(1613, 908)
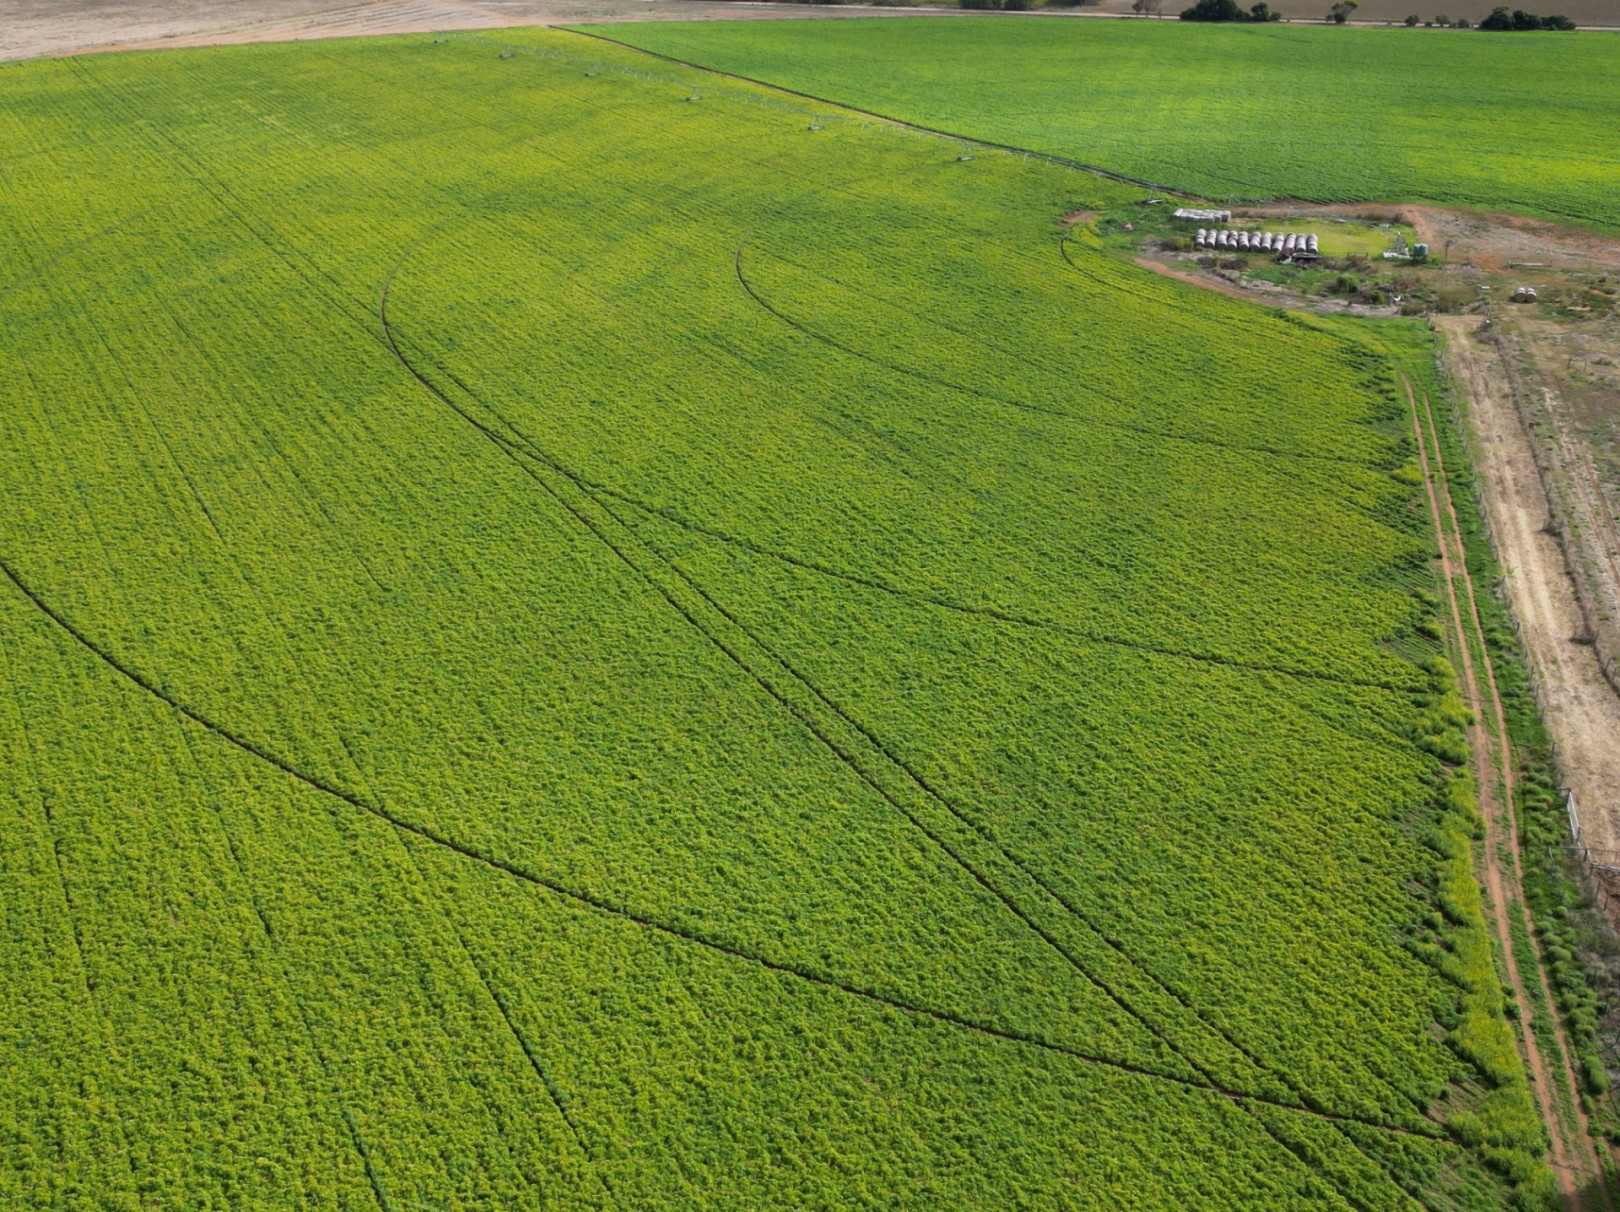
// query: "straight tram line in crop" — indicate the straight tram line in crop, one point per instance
point(868, 581)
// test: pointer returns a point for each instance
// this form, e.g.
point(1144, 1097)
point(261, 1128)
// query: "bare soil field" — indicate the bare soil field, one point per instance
point(33, 28)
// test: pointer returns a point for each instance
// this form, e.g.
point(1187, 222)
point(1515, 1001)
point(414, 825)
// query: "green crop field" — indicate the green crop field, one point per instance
point(574, 636)
point(1529, 122)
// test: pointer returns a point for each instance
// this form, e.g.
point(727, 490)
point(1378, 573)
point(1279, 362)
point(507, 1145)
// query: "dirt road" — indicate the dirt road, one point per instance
point(1582, 709)
point(1574, 1160)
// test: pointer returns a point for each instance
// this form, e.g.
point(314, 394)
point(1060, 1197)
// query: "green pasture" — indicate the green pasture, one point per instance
point(1529, 122)
point(576, 635)
point(1353, 239)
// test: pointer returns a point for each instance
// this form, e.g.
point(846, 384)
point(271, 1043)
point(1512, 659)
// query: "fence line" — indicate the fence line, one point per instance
point(1601, 865)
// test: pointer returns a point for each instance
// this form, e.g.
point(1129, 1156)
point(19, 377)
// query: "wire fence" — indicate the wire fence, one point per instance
point(1600, 865)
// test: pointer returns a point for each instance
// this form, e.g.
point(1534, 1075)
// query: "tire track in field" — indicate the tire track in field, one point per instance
point(1299, 1152)
point(687, 612)
point(273, 248)
point(1238, 1096)
point(39, 268)
point(584, 485)
point(1221, 289)
point(579, 483)
point(865, 113)
point(1023, 405)
point(944, 603)
point(316, 268)
point(869, 581)
point(1256, 323)
point(91, 986)
point(957, 810)
point(512, 450)
point(872, 582)
point(87, 980)
point(607, 907)
point(250, 417)
point(965, 819)
point(236, 210)
point(1048, 157)
point(536, 1065)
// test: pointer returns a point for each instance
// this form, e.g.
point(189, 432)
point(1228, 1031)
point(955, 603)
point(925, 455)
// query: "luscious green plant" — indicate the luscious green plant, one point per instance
point(572, 639)
point(1346, 115)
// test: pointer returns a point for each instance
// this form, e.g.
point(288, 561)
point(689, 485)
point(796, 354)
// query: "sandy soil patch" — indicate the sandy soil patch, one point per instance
point(1204, 281)
point(1493, 240)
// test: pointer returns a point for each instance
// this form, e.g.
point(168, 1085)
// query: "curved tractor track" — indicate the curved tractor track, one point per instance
point(836, 729)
